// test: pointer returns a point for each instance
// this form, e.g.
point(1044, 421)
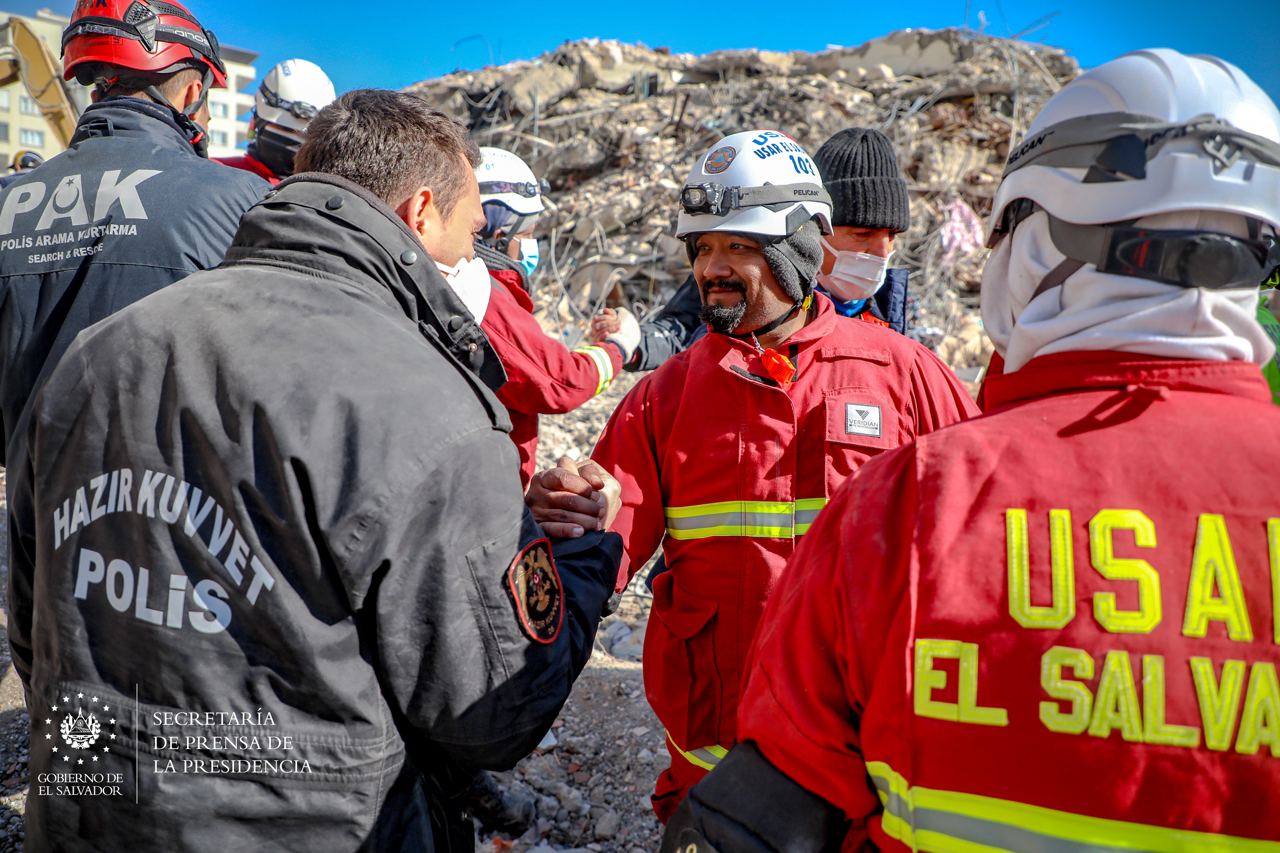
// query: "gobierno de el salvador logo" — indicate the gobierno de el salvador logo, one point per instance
point(78, 733)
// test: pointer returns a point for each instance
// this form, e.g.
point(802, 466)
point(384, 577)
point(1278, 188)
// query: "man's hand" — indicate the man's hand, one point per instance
point(574, 497)
point(604, 324)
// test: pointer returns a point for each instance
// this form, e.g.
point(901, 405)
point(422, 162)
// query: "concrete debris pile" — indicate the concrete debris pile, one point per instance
point(616, 127)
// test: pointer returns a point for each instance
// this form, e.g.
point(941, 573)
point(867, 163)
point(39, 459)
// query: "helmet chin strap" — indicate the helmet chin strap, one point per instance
point(196, 134)
point(775, 322)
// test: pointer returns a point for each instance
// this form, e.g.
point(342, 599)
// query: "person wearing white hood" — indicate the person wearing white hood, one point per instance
point(1089, 573)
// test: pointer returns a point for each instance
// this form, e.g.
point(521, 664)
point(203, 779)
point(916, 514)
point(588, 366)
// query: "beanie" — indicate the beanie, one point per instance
point(861, 173)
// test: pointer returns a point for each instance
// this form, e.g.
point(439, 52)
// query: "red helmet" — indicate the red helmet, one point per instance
point(141, 35)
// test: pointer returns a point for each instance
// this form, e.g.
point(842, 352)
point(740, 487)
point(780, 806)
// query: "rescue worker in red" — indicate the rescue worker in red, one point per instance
point(291, 94)
point(727, 452)
point(543, 375)
point(1054, 627)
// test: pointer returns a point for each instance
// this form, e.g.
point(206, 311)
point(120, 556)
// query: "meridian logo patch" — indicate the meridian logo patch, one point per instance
point(862, 419)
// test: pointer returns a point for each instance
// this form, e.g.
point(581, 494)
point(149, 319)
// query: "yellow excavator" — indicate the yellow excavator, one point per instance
point(24, 56)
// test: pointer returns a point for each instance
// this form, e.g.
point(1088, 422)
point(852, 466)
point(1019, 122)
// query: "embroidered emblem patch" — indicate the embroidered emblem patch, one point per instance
point(862, 419)
point(536, 591)
point(720, 159)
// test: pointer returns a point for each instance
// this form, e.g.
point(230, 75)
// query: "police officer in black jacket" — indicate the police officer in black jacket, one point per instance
point(132, 206)
point(272, 567)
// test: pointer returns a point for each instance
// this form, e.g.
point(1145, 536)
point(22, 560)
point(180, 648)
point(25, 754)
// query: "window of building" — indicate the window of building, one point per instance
point(28, 106)
point(4, 131)
point(219, 109)
point(4, 99)
point(32, 138)
point(218, 137)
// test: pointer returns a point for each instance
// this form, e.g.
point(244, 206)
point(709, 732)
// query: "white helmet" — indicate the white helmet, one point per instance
point(506, 179)
point(292, 93)
point(1151, 132)
point(758, 182)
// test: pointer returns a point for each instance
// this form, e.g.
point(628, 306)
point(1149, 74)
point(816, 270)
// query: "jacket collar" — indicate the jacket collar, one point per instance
point(319, 222)
point(1065, 372)
point(132, 118)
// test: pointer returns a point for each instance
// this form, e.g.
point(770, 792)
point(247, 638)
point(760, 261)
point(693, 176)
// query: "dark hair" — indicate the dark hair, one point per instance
point(391, 143)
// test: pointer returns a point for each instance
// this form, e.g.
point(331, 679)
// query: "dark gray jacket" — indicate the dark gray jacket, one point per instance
point(127, 209)
point(270, 502)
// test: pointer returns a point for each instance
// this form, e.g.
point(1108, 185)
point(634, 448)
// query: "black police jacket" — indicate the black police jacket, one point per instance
point(127, 209)
point(272, 568)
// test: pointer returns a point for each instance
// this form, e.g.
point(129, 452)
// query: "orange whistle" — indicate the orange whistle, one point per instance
point(778, 366)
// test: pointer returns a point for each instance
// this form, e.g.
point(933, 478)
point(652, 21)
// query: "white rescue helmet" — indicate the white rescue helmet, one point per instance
point(758, 182)
point(1153, 131)
point(507, 180)
point(292, 93)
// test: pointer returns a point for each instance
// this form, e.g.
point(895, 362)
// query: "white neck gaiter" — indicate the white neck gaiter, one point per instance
point(1099, 311)
point(469, 278)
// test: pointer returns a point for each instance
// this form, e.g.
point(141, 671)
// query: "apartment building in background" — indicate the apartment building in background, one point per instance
point(229, 108)
point(23, 126)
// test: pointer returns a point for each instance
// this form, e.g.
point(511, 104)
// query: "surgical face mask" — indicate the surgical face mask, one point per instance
point(469, 278)
point(528, 256)
point(855, 275)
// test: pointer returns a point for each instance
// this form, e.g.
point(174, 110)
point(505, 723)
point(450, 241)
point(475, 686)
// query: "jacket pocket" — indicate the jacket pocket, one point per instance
point(682, 679)
point(859, 424)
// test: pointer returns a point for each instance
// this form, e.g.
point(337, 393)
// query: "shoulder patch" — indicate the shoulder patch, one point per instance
point(536, 591)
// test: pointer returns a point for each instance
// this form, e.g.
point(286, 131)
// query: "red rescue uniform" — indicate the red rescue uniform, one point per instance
point(249, 164)
point(1050, 628)
point(726, 470)
point(543, 376)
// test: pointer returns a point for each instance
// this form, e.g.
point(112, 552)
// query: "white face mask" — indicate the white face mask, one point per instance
point(855, 275)
point(469, 278)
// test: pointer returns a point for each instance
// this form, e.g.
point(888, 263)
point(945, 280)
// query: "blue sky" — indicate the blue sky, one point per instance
point(392, 44)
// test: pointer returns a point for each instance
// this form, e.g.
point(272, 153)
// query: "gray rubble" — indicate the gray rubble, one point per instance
point(615, 128)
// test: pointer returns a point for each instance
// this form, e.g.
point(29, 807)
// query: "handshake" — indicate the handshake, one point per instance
point(619, 327)
point(573, 498)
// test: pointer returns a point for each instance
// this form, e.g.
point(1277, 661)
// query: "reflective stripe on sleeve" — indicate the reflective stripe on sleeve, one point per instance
point(707, 757)
point(758, 519)
point(604, 365)
point(930, 820)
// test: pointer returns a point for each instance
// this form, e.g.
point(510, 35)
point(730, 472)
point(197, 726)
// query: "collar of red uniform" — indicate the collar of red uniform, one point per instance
point(511, 280)
point(1077, 371)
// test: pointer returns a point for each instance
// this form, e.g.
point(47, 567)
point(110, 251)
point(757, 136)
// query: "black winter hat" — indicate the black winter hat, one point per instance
point(861, 174)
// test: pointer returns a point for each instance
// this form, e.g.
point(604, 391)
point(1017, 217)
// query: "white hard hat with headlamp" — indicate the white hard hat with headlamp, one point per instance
point(506, 179)
point(1151, 132)
point(758, 182)
point(292, 93)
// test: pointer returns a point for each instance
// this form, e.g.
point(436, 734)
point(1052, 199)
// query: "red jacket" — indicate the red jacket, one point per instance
point(731, 468)
point(249, 164)
point(543, 376)
point(1052, 627)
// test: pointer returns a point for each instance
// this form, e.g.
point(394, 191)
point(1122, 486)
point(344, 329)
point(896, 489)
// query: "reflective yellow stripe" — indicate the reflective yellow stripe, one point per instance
point(930, 820)
point(604, 365)
point(707, 757)
point(759, 519)
point(694, 510)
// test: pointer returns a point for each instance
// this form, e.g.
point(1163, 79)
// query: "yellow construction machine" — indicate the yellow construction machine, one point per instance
point(24, 56)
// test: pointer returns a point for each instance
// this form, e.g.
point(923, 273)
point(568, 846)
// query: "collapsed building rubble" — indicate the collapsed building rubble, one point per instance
point(615, 128)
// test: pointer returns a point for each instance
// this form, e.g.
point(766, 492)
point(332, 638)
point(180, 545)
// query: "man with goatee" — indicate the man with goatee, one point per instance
point(728, 451)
